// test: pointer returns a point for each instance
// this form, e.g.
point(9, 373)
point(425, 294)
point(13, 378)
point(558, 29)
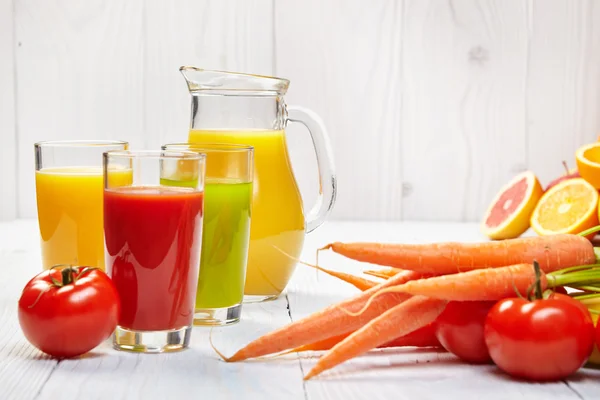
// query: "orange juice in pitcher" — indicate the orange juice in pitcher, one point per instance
point(248, 109)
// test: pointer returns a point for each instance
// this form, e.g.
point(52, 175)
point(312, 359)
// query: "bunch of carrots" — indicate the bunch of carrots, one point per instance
point(420, 279)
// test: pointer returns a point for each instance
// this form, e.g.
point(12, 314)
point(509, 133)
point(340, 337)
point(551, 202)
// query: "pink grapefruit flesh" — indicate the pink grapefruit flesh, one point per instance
point(507, 203)
point(508, 215)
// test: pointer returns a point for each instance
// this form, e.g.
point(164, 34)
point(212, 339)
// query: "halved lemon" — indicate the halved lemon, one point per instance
point(508, 215)
point(569, 207)
point(588, 163)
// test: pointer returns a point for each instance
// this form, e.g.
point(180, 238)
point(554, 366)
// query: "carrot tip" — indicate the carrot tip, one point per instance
point(310, 374)
point(226, 359)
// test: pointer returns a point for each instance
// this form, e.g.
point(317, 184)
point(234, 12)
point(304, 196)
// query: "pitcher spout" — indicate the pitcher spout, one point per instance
point(232, 83)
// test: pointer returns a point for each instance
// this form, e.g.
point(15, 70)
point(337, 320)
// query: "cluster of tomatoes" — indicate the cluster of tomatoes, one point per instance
point(66, 312)
point(542, 339)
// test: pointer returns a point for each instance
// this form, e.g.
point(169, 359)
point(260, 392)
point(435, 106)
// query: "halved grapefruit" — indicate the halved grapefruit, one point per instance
point(509, 213)
point(569, 207)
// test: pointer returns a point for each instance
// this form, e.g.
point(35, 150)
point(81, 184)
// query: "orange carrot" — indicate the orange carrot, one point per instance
point(383, 273)
point(552, 251)
point(356, 281)
point(402, 319)
point(376, 274)
point(475, 285)
point(331, 321)
point(324, 344)
point(423, 337)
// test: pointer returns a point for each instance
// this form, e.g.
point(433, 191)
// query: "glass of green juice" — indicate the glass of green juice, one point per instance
point(228, 190)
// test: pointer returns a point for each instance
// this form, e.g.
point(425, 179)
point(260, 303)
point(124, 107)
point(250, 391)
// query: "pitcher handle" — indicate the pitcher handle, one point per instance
point(327, 179)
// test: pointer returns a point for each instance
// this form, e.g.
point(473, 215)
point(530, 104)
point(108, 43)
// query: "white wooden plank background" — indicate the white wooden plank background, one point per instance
point(233, 35)
point(79, 75)
point(344, 62)
point(563, 93)
point(463, 141)
point(8, 199)
point(431, 106)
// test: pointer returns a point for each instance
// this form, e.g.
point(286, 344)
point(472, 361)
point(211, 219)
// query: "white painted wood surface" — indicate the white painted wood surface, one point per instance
point(233, 35)
point(450, 135)
point(563, 80)
point(8, 183)
point(79, 76)
point(431, 105)
point(385, 374)
point(344, 61)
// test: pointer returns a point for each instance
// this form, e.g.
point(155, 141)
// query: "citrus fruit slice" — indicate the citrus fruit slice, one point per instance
point(588, 163)
point(509, 213)
point(569, 207)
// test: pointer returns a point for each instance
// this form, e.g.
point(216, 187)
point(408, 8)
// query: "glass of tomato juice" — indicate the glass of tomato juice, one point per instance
point(153, 236)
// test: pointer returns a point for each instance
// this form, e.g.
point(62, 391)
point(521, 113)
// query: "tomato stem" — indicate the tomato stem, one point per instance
point(517, 291)
point(538, 281)
point(67, 275)
point(39, 297)
point(84, 271)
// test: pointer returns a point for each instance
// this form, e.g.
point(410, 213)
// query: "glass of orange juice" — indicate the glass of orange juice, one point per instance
point(69, 191)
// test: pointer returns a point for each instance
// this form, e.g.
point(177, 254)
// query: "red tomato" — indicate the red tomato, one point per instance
point(459, 329)
point(547, 339)
point(560, 289)
point(597, 335)
point(68, 312)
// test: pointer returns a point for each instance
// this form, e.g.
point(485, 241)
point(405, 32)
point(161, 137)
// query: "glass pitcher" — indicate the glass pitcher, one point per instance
point(249, 109)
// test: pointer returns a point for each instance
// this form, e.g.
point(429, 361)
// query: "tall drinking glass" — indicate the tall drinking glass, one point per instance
point(226, 229)
point(153, 236)
point(68, 182)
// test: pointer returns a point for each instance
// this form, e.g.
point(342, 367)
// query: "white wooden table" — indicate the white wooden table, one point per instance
point(25, 373)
